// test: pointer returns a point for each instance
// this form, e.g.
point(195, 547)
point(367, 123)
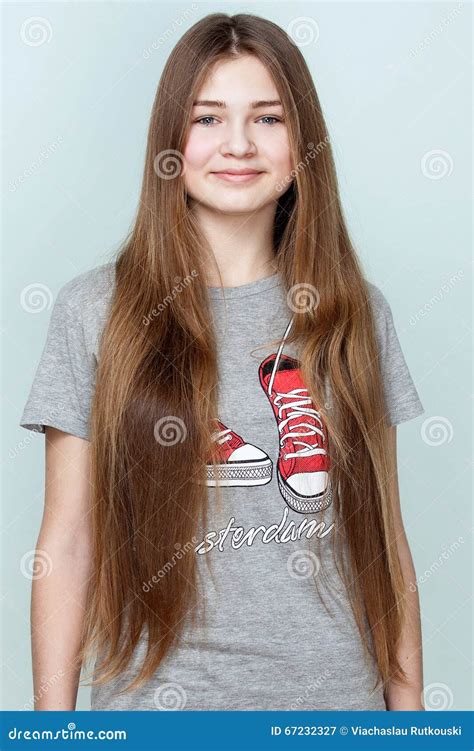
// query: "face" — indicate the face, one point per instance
point(237, 152)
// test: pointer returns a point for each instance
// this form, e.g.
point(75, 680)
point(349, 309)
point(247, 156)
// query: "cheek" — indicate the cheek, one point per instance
point(285, 162)
point(199, 149)
point(277, 150)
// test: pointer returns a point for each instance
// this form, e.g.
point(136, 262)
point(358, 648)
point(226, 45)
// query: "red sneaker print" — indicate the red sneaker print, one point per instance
point(241, 463)
point(303, 462)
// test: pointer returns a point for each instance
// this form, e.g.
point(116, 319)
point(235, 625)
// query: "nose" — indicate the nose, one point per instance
point(237, 142)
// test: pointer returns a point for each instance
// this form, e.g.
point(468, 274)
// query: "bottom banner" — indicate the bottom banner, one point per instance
point(182, 730)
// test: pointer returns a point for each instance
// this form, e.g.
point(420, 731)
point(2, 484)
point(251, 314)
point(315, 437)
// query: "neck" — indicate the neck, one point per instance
point(241, 245)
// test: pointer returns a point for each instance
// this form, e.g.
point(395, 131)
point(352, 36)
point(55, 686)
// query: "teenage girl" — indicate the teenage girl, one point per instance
point(220, 404)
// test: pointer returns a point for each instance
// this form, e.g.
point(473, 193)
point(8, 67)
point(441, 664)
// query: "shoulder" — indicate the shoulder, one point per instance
point(378, 301)
point(89, 288)
point(382, 316)
point(85, 300)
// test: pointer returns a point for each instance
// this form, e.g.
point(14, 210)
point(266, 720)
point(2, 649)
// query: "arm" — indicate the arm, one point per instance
point(58, 598)
point(397, 696)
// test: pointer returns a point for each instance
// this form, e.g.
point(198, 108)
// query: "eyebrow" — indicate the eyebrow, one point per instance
point(254, 105)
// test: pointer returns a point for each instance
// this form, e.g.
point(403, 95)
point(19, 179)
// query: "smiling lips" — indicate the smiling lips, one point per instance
point(238, 176)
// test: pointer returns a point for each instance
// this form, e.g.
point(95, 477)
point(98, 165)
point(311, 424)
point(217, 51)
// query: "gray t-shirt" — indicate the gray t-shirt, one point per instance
point(268, 642)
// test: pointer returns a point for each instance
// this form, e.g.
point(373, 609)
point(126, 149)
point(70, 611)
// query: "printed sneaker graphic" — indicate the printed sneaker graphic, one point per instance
point(241, 463)
point(303, 462)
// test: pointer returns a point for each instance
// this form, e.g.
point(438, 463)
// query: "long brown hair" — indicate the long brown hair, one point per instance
point(157, 388)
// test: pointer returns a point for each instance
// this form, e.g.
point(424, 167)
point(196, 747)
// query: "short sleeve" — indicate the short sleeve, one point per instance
point(401, 396)
point(63, 384)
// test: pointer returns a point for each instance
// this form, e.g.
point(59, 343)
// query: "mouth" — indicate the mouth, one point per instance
point(238, 176)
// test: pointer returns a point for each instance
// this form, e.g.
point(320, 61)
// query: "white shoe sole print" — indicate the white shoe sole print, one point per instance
point(245, 464)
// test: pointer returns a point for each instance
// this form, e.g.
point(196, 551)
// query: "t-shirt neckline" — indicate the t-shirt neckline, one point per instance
point(244, 290)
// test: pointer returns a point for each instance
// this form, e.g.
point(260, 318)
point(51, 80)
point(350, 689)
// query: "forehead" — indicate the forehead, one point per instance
point(240, 80)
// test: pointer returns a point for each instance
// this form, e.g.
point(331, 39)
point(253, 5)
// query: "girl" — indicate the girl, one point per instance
point(220, 405)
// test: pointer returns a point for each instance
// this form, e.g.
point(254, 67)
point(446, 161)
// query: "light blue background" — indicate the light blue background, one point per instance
point(394, 82)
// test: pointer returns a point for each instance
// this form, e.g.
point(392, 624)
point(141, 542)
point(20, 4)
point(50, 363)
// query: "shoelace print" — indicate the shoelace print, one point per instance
point(221, 436)
point(299, 410)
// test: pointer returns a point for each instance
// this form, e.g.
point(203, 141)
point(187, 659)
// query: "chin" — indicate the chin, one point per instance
point(234, 207)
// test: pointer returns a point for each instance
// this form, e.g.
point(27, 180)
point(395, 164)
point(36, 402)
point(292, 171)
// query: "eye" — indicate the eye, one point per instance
point(206, 117)
point(271, 117)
